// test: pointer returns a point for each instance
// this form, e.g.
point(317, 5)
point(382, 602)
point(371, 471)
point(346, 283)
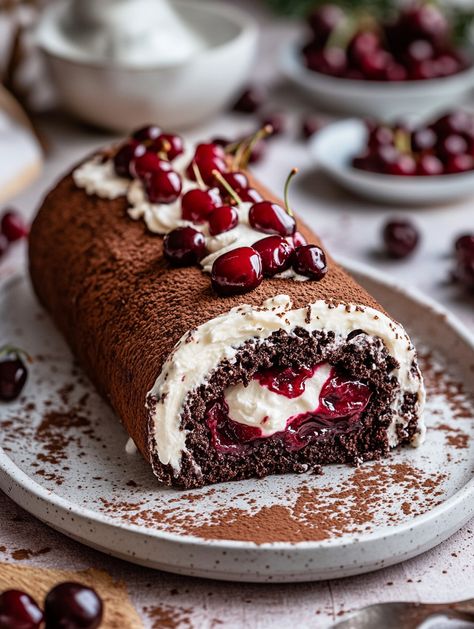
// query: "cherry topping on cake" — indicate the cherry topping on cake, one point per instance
point(73, 606)
point(124, 157)
point(170, 144)
point(237, 271)
point(275, 252)
point(147, 134)
point(163, 186)
point(237, 180)
point(12, 226)
point(222, 219)
point(4, 244)
point(400, 237)
point(207, 159)
point(143, 165)
point(197, 204)
point(310, 260)
point(184, 246)
point(250, 195)
point(251, 99)
point(298, 239)
point(13, 373)
point(271, 218)
point(19, 610)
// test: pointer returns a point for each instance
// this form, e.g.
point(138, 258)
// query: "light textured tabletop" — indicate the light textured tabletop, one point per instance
point(349, 227)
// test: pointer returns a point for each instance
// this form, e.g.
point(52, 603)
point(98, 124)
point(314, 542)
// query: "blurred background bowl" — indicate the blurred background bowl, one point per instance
point(380, 99)
point(119, 97)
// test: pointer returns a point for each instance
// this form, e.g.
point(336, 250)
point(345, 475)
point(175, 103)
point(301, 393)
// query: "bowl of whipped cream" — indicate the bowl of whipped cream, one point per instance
point(119, 64)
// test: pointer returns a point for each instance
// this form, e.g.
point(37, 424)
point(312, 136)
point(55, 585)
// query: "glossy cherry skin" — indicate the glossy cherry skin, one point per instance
point(425, 21)
point(276, 254)
point(73, 606)
point(237, 180)
point(174, 145)
point(330, 61)
point(452, 145)
point(222, 219)
point(271, 218)
point(429, 165)
point(163, 186)
point(298, 240)
point(184, 246)
point(310, 260)
point(362, 44)
point(124, 157)
point(197, 204)
point(4, 244)
point(236, 272)
point(380, 136)
point(143, 165)
point(457, 122)
point(19, 611)
point(12, 226)
point(149, 133)
point(423, 140)
point(250, 196)
point(251, 99)
point(401, 238)
point(13, 375)
point(459, 164)
point(404, 165)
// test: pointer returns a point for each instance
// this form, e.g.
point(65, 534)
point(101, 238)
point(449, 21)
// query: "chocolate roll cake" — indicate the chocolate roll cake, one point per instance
point(228, 346)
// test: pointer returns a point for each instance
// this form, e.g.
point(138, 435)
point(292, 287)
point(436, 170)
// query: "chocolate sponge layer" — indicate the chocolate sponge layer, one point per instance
point(119, 304)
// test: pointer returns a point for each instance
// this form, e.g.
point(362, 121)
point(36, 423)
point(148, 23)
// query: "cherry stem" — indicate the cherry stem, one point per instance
point(293, 172)
point(6, 350)
point(225, 184)
point(262, 133)
point(197, 174)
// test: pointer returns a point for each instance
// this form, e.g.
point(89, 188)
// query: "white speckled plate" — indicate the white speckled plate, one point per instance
point(64, 460)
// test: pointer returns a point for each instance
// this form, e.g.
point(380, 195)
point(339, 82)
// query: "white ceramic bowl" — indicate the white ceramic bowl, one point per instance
point(334, 147)
point(379, 99)
point(120, 97)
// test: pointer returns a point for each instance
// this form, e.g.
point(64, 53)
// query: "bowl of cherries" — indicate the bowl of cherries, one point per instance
point(431, 162)
point(411, 60)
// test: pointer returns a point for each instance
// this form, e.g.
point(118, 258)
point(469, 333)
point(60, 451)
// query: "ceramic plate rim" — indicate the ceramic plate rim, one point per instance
point(9, 470)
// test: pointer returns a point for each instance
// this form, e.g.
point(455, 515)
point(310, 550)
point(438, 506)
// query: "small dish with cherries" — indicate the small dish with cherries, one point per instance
point(430, 162)
point(406, 61)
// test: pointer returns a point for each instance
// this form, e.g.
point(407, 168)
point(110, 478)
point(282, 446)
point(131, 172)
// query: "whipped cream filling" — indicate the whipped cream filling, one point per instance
point(98, 177)
point(257, 406)
point(200, 351)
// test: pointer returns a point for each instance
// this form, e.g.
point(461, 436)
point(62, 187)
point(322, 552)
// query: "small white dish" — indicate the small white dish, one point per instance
point(380, 99)
point(120, 94)
point(334, 147)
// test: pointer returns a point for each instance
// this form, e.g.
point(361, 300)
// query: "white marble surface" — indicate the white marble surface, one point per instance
point(350, 227)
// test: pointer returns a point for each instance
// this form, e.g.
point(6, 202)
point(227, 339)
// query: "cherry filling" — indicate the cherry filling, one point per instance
point(341, 402)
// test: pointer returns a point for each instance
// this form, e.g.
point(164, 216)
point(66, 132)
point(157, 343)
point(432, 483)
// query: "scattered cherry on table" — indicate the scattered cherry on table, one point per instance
point(13, 373)
point(18, 610)
point(400, 237)
point(72, 605)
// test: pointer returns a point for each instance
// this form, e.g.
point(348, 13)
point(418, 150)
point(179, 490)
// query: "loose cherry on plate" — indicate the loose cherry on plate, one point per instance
point(163, 186)
point(19, 610)
point(13, 373)
point(310, 260)
point(197, 204)
point(12, 226)
point(124, 157)
point(275, 252)
point(72, 605)
point(237, 271)
point(184, 246)
point(222, 219)
point(400, 237)
point(271, 218)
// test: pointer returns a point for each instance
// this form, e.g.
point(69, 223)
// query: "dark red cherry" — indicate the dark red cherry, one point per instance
point(310, 260)
point(251, 99)
point(19, 611)
point(277, 121)
point(222, 219)
point(465, 244)
point(323, 21)
point(380, 136)
point(148, 133)
point(309, 126)
point(404, 165)
point(250, 196)
point(429, 165)
point(4, 244)
point(459, 164)
point(452, 145)
point(363, 43)
point(425, 21)
point(206, 166)
point(456, 122)
point(124, 157)
point(395, 72)
point(330, 61)
point(197, 204)
point(73, 606)
point(465, 271)
point(271, 218)
point(423, 140)
point(275, 252)
point(209, 151)
point(163, 186)
point(374, 65)
point(237, 181)
point(13, 374)
point(184, 246)
point(12, 226)
point(299, 240)
point(237, 271)
point(143, 165)
point(170, 144)
point(419, 50)
point(400, 237)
